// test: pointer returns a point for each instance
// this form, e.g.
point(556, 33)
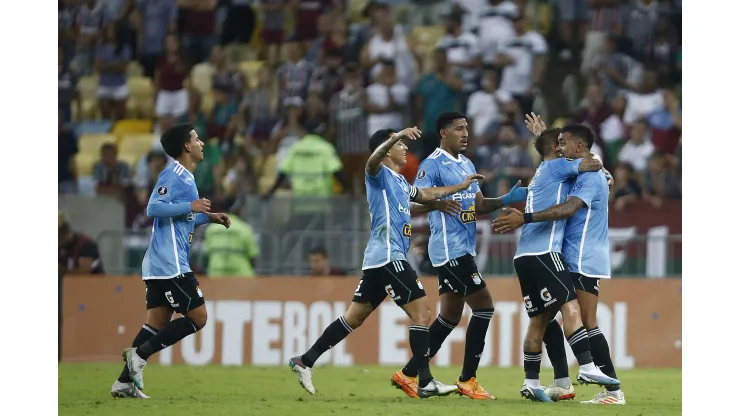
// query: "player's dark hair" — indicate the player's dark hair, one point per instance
point(173, 140)
point(544, 142)
point(445, 119)
point(581, 132)
point(379, 137)
point(318, 250)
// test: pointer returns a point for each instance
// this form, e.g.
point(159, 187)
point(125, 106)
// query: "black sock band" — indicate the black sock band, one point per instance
point(532, 361)
point(475, 340)
point(578, 341)
point(332, 335)
point(438, 332)
point(169, 335)
point(145, 333)
point(554, 340)
point(602, 357)
point(419, 342)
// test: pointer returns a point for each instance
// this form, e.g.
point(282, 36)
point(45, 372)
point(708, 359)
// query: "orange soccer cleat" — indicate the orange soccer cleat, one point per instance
point(409, 385)
point(472, 389)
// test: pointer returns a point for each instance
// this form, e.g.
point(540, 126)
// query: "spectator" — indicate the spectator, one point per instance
point(638, 21)
point(594, 112)
point(111, 176)
point(118, 14)
point(666, 123)
point(626, 189)
point(225, 76)
point(638, 148)
point(484, 106)
point(78, 253)
point(197, 28)
point(646, 99)
point(385, 100)
point(436, 93)
point(315, 52)
point(169, 82)
point(662, 52)
point(154, 20)
point(327, 79)
point(463, 54)
point(508, 163)
point(67, 142)
point(289, 130)
point(145, 180)
point(113, 58)
point(316, 113)
point(390, 43)
point(223, 117)
point(240, 179)
point(523, 58)
point(337, 41)
point(613, 70)
point(612, 130)
point(573, 14)
point(66, 33)
point(87, 24)
point(319, 264)
point(67, 93)
point(348, 128)
point(661, 181)
point(307, 13)
point(240, 22)
point(273, 28)
point(233, 251)
point(294, 75)
point(606, 21)
point(495, 26)
point(258, 111)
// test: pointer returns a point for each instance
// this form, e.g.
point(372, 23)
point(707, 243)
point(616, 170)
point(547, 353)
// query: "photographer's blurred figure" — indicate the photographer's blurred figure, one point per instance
point(319, 265)
point(232, 251)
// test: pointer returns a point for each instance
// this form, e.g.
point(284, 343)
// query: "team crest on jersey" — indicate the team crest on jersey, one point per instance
point(422, 173)
point(162, 190)
point(468, 215)
point(407, 230)
point(476, 278)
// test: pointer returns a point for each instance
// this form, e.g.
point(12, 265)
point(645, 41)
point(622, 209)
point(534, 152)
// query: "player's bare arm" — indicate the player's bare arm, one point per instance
point(590, 164)
point(373, 162)
point(516, 218)
point(448, 206)
point(488, 205)
point(423, 195)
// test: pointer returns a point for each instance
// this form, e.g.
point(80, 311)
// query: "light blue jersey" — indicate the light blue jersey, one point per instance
point(168, 254)
point(452, 236)
point(549, 186)
point(586, 241)
point(389, 197)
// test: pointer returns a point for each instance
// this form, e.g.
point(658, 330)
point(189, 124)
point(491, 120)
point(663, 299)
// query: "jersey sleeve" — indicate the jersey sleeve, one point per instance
point(378, 180)
point(586, 187)
point(564, 169)
point(426, 175)
point(163, 202)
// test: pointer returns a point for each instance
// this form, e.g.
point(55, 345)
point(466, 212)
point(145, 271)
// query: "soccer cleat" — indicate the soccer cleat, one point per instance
point(597, 378)
point(126, 390)
point(607, 397)
point(473, 389)
point(304, 374)
point(407, 384)
point(435, 388)
point(135, 366)
point(557, 393)
point(536, 394)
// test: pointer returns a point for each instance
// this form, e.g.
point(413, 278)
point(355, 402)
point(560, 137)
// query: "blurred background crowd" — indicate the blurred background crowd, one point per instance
point(285, 94)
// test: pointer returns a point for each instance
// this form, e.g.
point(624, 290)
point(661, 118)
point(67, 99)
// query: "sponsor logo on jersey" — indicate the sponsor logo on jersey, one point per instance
point(463, 195)
point(468, 215)
point(407, 230)
point(403, 209)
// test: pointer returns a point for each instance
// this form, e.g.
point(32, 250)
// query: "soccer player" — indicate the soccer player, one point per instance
point(452, 252)
point(545, 283)
point(586, 253)
point(171, 286)
point(385, 271)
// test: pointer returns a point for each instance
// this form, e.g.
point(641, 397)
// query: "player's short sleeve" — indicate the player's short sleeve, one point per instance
point(165, 189)
point(587, 187)
point(566, 169)
point(379, 179)
point(426, 175)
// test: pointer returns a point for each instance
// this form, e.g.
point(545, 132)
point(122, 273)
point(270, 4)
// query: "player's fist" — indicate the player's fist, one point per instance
point(200, 205)
point(412, 133)
point(510, 222)
point(472, 179)
point(220, 218)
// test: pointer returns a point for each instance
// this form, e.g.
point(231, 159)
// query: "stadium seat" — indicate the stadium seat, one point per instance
point(250, 69)
point(88, 89)
point(137, 144)
point(141, 100)
point(134, 69)
point(90, 143)
point(201, 77)
point(131, 159)
point(132, 126)
point(85, 163)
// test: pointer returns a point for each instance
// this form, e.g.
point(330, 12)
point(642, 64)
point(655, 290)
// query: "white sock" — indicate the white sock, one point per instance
point(589, 368)
point(562, 382)
point(615, 392)
point(532, 383)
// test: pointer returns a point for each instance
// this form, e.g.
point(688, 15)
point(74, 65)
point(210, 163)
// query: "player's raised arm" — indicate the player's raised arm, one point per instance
point(373, 162)
point(422, 195)
point(488, 205)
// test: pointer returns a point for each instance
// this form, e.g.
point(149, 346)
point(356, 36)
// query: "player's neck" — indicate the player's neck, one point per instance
point(188, 163)
point(392, 166)
point(451, 152)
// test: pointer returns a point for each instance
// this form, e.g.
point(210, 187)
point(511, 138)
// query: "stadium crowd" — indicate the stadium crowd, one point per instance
point(285, 93)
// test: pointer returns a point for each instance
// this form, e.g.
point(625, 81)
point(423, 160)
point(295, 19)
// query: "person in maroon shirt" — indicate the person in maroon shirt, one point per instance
point(169, 81)
point(594, 113)
point(307, 14)
point(78, 253)
point(198, 28)
point(318, 263)
point(337, 40)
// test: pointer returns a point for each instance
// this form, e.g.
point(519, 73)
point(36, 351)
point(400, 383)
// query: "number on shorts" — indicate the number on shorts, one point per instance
point(358, 287)
point(169, 297)
point(527, 302)
point(390, 291)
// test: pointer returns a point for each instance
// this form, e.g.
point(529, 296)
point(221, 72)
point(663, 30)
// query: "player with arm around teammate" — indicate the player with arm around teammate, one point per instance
point(385, 271)
point(452, 250)
point(547, 287)
point(586, 254)
point(171, 285)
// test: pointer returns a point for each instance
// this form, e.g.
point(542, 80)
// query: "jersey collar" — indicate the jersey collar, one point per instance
point(185, 170)
point(449, 156)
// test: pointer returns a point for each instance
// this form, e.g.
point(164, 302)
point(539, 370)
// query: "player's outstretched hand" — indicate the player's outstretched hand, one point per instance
point(535, 124)
point(516, 194)
point(200, 205)
point(412, 133)
point(472, 179)
point(448, 206)
point(220, 218)
point(510, 222)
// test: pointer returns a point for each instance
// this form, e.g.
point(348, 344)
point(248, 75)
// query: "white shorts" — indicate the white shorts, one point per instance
point(171, 103)
point(113, 93)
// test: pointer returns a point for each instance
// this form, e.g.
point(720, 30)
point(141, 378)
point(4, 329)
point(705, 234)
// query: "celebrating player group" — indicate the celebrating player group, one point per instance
point(562, 253)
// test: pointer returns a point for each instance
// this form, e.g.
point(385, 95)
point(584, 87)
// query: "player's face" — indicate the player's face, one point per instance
point(456, 137)
point(398, 153)
point(196, 146)
point(567, 146)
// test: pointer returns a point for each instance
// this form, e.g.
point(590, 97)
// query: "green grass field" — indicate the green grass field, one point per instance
point(84, 389)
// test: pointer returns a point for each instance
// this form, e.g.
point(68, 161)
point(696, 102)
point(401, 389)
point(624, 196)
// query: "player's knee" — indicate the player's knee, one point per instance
point(421, 316)
point(589, 319)
point(199, 316)
point(571, 312)
point(480, 300)
point(357, 313)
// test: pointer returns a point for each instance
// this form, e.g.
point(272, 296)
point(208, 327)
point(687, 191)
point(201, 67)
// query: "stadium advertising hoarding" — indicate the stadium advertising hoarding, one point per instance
point(267, 321)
